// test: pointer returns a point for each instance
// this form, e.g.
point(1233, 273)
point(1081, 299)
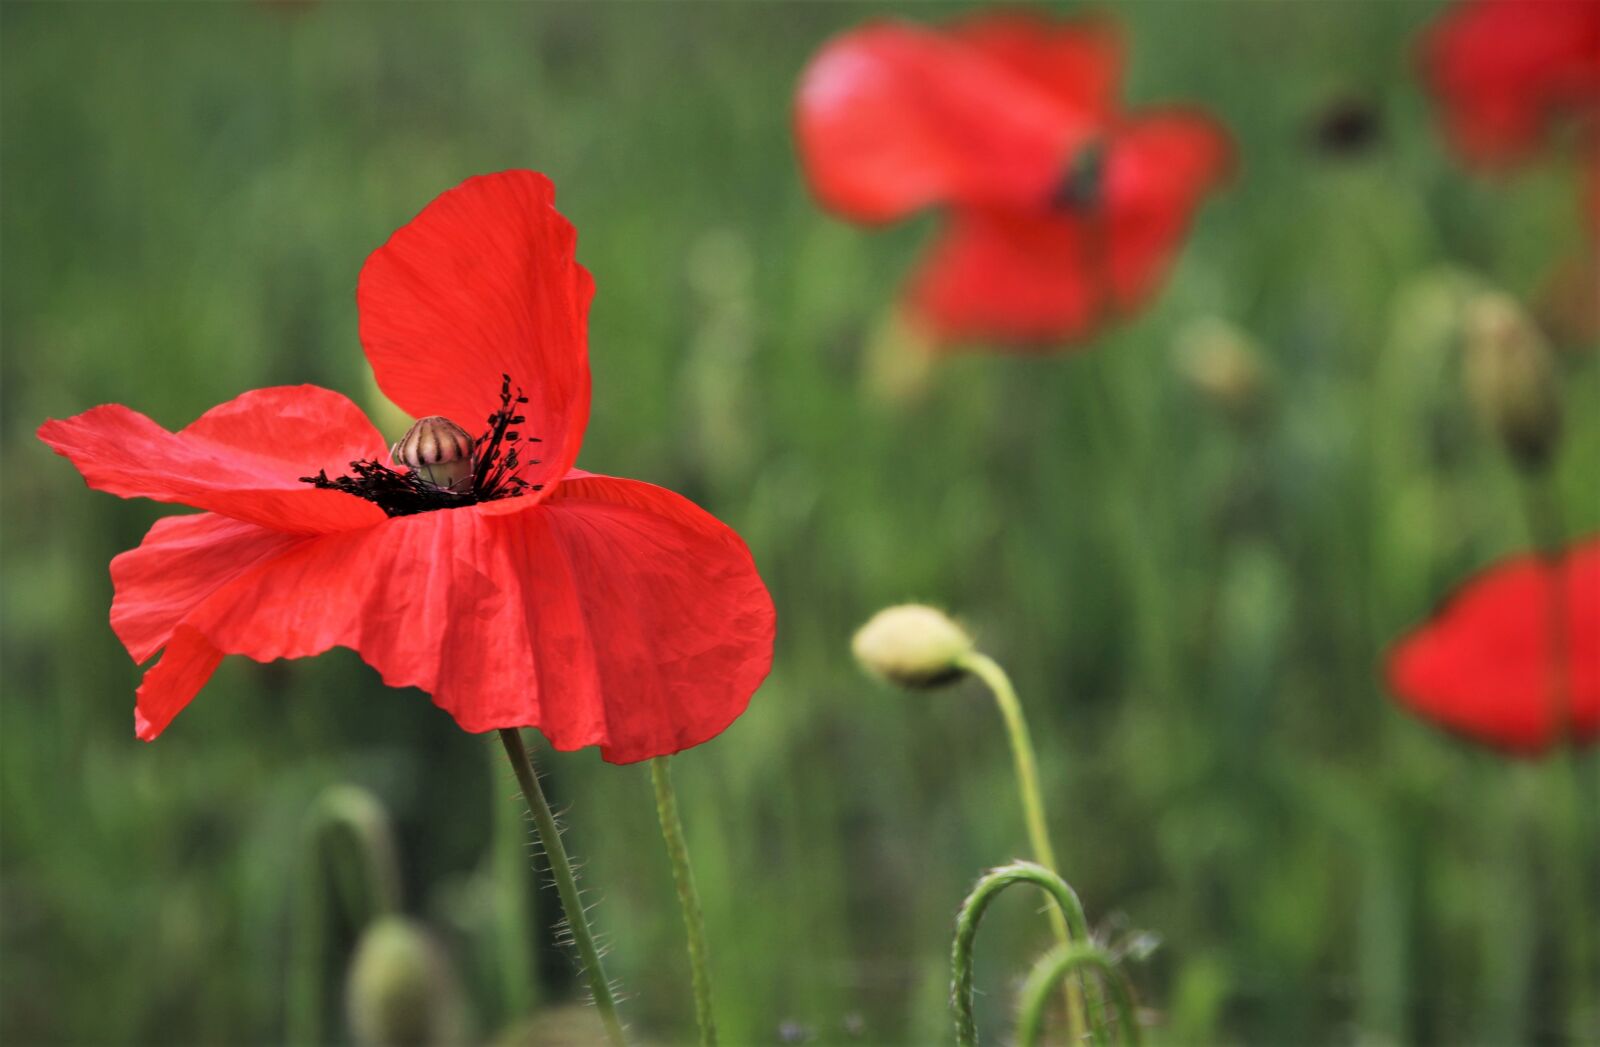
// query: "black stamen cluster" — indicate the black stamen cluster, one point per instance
point(494, 467)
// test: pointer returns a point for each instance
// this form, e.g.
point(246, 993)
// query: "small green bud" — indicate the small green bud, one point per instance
point(912, 645)
point(401, 990)
point(440, 452)
point(1223, 364)
point(1511, 378)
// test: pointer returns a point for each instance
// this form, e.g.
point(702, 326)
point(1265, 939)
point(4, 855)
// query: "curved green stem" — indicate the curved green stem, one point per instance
point(694, 922)
point(1027, 771)
point(1056, 965)
point(510, 932)
point(977, 902)
point(365, 875)
point(566, 883)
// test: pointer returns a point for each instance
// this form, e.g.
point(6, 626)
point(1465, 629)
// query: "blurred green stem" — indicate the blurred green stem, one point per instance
point(694, 922)
point(1542, 507)
point(1059, 963)
point(566, 883)
point(1027, 770)
point(365, 874)
point(987, 889)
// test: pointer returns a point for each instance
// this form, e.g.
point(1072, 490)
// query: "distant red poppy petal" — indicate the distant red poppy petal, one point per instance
point(242, 459)
point(893, 117)
point(1503, 68)
point(181, 561)
point(484, 282)
point(614, 614)
point(1485, 666)
point(1158, 169)
point(1022, 277)
point(1077, 61)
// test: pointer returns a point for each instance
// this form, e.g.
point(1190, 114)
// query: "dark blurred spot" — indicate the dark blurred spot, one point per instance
point(1347, 126)
point(1080, 188)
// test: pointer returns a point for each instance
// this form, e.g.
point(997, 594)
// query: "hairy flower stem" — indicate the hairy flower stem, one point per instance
point(1059, 963)
point(987, 889)
point(1027, 769)
point(566, 883)
point(694, 922)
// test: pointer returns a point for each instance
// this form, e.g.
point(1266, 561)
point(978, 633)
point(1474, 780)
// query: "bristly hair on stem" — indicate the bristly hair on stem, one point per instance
point(495, 461)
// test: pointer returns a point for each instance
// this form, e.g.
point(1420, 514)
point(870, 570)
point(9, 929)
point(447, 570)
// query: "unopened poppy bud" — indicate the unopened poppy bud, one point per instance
point(1511, 377)
point(912, 645)
point(1223, 364)
point(401, 990)
point(440, 452)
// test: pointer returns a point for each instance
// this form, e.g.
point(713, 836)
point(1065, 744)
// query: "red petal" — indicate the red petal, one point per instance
point(1503, 68)
point(484, 282)
point(1159, 168)
point(1047, 274)
point(172, 683)
point(893, 117)
point(1486, 666)
point(181, 561)
point(243, 459)
point(1017, 277)
point(1078, 62)
point(614, 614)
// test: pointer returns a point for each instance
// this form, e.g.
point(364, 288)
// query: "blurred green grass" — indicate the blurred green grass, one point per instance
point(1193, 616)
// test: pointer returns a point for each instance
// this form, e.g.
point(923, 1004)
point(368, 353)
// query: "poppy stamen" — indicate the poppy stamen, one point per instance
point(418, 488)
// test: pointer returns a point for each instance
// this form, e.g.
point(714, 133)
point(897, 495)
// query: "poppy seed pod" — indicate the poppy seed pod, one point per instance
point(1511, 378)
point(401, 989)
point(440, 452)
point(912, 645)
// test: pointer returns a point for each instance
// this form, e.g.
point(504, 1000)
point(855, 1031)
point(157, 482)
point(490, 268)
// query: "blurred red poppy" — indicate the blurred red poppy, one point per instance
point(1506, 72)
point(1064, 211)
point(1502, 665)
point(602, 611)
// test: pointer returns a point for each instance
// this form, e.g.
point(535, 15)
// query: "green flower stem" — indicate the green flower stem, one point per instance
point(1542, 509)
point(348, 847)
point(566, 883)
point(694, 922)
point(1027, 769)
point(1056, 965)
point(515, 962)
point(989, 887)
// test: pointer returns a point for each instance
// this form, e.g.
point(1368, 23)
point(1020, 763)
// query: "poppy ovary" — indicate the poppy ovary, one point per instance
point(440, 452)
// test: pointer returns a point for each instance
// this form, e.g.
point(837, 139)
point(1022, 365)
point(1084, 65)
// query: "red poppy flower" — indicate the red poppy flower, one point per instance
point(1505, 70)
point(602, 611)
point(1064, 211)
point(1498, 665)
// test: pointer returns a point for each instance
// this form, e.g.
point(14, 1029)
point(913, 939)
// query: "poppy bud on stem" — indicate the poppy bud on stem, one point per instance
point(920, 647)
point(1511, 377)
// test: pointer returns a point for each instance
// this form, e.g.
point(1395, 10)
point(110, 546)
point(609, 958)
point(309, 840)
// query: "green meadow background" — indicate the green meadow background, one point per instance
point(1193, 609)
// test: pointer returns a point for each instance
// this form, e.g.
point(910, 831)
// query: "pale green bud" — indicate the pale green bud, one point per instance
point(1511, 377)
point(401, 990)
point(912, 645)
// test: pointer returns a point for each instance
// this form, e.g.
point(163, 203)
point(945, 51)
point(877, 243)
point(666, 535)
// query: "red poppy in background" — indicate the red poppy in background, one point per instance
point(1063, 210)
point(601, 611)
point(1507, 72)
point(1499, 665)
